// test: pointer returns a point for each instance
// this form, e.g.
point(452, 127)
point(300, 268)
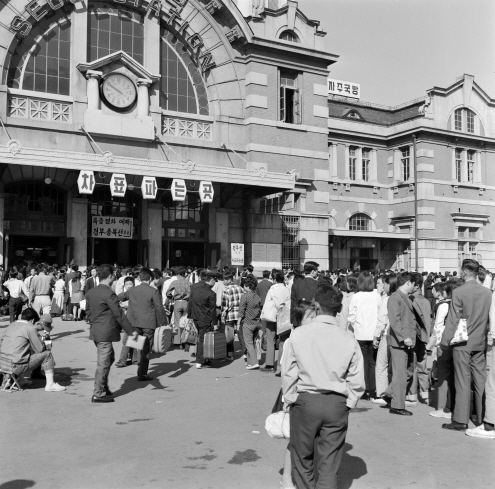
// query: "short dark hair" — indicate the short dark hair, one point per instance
point(365, 282)
point(308, 268)
point(266, 273)
point(105, 271)
point(157, 273)
point(75, 268)
point(29, 314)
point(471, 266)
point(300, 309)
point(129, 279)
point(329, 298)
point(228, 276)
point(279, 277)
point(482, 273)
point(417, 278)
point(352, 283)
point(251, 283)
point(145, 274)
point(181, 271)
point(404, 278)
point(391, 280)
point(250, 268)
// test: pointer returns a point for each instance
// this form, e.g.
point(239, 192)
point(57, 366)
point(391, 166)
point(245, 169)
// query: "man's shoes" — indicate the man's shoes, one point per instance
point(108, 392)
point(245, 358)
point(411, 403)
point(440, 413)
point(380, 401)
point(121, 364)
point(54, 388)
point(193, 354)
point(144, 378)
point(480, 432)
point(252, 367)
point(265, 368)
point(455, 426)
point(102, 399)
point(198, 365)
point(278, 374)
point(400, 412)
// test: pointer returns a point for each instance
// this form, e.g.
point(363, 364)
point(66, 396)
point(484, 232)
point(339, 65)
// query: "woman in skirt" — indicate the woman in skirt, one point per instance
point(58, 296)
point(76, 295)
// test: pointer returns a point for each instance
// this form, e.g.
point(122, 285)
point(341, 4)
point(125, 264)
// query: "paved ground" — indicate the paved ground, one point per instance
point(203, 430)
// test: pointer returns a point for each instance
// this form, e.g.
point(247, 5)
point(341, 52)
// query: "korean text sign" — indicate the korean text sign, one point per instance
point(112, 227)
point(237, 253)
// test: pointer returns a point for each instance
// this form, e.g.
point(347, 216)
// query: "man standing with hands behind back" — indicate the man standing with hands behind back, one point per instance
point(146, 313)
point(106, 319)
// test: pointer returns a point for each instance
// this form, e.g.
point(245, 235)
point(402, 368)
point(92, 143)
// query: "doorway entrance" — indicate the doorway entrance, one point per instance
point(36, 248)
point(185, 253)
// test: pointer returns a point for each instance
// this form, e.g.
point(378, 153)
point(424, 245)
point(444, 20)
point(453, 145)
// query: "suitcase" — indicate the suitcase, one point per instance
point(215, 346)
point(162, 339)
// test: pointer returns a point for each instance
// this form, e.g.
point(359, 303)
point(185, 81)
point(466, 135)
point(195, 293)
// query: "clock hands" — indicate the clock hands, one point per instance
point(115, 88)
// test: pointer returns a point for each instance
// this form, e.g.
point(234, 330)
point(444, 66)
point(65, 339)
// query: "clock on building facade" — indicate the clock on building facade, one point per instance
point(118, 91)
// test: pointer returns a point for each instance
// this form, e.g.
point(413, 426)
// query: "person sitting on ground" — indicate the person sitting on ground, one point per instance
point(18, 343)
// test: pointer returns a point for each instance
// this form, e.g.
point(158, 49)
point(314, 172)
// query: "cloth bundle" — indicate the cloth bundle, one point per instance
point(277, 425)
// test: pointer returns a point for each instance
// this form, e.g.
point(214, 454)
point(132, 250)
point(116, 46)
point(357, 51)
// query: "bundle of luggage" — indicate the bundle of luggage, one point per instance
point(67, 317)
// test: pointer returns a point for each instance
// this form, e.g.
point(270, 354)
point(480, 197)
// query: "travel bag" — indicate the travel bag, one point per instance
point(215, 346)
point(162, 339)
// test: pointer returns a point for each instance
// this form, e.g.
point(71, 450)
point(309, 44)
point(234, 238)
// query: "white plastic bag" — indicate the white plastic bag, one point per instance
point(277, 425)
point(461, 334)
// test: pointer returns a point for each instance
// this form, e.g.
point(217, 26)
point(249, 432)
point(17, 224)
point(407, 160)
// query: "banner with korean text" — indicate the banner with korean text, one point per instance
point(112, 227)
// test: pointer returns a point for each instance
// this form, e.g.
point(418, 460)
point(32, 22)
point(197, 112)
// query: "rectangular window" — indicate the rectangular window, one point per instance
point(470, 165)
point(462, 232)
point(458, 165)
point(470, 121)
point(458, 120)
point(405, 164)
point(472, 247)
point(366, 164)
point(473, 233)
point(461, 246)
point(290, 99)
point(352, 162)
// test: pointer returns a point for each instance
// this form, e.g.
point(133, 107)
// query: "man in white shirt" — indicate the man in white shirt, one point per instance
point(322, 379)
point(14, 286)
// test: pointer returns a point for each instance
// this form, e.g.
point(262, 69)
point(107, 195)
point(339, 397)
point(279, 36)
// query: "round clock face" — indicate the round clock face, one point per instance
point(119, 91)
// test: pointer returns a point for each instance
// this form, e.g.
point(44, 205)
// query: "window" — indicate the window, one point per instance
point(472, 247)
point(405, 164)
point(113, 29)
point(190, 211)
point(473, 233)
point(34, 198)
point(359, 222)
point(290, 100)
point(470, 121)
point(290, 240)
point(44, 66)
point(352, 162)
point(461, 246)
point(470, 166)
point(182, 88)
point(101, 203)
point(366, 164)
point(458, 120)
point(458, 164)
point(289, 36)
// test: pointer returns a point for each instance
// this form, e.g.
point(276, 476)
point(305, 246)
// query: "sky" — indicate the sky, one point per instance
point(398, 49)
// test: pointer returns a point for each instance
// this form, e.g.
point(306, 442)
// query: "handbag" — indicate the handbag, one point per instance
point(269, 311)
point(283, 319)
point(23, 297)
point(277, 425)
point(229, 333)
point(190, 333)
point(461, 334)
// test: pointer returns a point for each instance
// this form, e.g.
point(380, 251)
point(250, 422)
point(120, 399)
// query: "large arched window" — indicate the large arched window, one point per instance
point(360, 222)
point(111, 29)
point(289, 36)
point(182, 88)
point(34, 199)
point(103, 204)
point(45, 65)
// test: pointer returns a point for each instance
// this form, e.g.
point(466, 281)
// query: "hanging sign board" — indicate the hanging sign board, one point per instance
point(178, 190)
point(118, 185)
point(149, 187)
point(86, 182)
point(237, 253)
point(112, 227)
point(206, 192)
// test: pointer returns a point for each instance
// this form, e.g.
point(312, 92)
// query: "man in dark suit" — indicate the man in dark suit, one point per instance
point(304, 289)
point(470, 301)
point(106, 319)
point(92, 282)
point(146, 313)
point(202, 308)
point(68, 278)
point(401, 340)
point(264, 286)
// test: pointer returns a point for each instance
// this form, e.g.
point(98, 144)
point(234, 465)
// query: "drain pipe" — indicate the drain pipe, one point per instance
point(416, 240)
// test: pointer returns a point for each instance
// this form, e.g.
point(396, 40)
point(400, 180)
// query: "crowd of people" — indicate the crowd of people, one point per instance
point(341, 336)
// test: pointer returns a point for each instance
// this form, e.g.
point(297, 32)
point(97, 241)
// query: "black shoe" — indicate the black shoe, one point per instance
point(102, 399)
point(193, 354)
point(400, 412)
point(455, 426)
point(121, 364)
point(278, 374)
point(108, 392)
point(267, 369)
point(144, 378)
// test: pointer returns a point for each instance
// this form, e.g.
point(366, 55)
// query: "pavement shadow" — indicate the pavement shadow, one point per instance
point(351, 468)
point(64, 376)
point(66, 333)
point(17, 484)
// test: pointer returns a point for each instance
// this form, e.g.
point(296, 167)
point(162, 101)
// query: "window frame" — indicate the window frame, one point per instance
point(284, 90)
point(352, 163)
point(356, 220)
point(366, 164)
point(405, 163)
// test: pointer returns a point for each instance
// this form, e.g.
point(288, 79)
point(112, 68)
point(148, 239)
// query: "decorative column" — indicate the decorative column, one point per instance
point(143, 99)
point(346, 162)
point(93, 78)
point(2, 233)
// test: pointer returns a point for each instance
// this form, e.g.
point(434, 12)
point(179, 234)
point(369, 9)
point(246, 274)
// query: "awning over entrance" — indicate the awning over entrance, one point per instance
point(14, 153)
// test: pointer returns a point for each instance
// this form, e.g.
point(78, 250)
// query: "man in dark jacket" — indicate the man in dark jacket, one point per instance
point(146, 313)
point(106, 319)
point(304, 289)
point(202, 308)
point(471, 301)
point(401, 340)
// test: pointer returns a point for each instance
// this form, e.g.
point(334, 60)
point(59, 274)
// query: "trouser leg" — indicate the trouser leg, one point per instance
point(105, 358)
point(490, 394)
point(240, 335)
point(398, 386)
point(202, 330)
point(144, 360)
point(271, 331)
point(445, 382)
point(124, 352)
point(15, 308)
point(478, 374)
point(364, 350)
point(462, 375)
point(422, 369)
point(249, 331)
point(381, 369)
